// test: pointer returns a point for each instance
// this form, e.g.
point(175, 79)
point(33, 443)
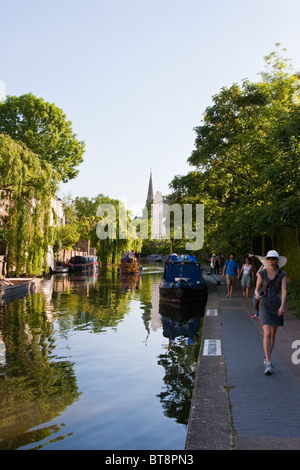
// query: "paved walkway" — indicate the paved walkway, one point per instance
point(235, 406)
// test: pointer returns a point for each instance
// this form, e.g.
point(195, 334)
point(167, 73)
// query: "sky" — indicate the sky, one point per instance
point(135, 76)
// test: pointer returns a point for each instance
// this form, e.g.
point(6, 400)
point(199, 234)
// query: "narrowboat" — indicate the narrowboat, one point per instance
point(84, 264)
point(182, 281)
point(129, 265)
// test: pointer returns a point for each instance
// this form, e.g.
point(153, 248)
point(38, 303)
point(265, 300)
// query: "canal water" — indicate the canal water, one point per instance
point(97, 363)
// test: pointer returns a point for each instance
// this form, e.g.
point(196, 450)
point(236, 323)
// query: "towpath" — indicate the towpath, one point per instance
point(235, 406)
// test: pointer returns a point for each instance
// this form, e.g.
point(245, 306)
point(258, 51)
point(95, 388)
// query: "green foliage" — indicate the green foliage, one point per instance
point(247, 161)
point(288, 242)
point(293, 290)
point(66, 237)
point(38, 149)
point(156, 246)
point(45, 130)
point(82, 217)
point(26, 182)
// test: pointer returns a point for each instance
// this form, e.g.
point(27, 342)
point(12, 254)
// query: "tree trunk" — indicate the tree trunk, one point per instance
point(263, 244)
point(273, 240)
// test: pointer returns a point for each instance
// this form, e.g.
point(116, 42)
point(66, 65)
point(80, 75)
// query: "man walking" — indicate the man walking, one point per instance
point(232, 270)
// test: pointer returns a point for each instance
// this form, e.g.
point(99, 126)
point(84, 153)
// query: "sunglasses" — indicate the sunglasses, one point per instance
point(273, 258)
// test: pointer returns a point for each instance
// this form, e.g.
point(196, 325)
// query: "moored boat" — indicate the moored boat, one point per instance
point(84, 264)
point(129, 265)
point(60, 268)
point(157, 258)
point(16, 288)
point(182, 281)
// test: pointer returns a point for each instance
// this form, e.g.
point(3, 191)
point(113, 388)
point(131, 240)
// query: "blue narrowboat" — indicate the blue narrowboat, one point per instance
point(182, 281)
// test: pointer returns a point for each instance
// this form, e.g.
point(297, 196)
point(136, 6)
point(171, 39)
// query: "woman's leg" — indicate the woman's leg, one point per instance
point(256, 309)
point(269, 340)
point(273, 334)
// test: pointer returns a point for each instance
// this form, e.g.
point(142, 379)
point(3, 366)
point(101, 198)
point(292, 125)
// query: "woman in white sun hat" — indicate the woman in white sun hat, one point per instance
point(271, 289)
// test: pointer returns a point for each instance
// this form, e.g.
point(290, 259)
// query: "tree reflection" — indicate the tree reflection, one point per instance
point(36, 385)
point(33, 389)
point(179, 364)
point(78, 306)
point(37, 379)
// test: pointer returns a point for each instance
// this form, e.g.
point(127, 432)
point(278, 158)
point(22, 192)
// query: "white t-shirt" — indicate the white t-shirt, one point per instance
point(247, 269)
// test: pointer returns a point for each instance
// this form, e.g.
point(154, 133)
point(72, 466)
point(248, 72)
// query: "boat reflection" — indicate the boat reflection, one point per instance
point(181, 325)
point(129, 282)
point(181, 321)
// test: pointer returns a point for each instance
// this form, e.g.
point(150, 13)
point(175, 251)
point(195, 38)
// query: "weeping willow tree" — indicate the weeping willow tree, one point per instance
point(26, 184)
point(87, 217)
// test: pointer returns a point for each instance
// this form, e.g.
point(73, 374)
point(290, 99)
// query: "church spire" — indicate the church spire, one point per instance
point(150, 190)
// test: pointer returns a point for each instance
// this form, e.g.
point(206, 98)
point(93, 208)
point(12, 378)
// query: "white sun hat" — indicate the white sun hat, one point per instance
point(273, 254)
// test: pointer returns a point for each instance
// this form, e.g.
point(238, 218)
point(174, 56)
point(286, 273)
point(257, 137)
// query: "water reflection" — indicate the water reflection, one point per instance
point(97, 346)
point(129, 282)
point(33, 388)
point(181, 325)
point(181, 321)
point(89, 302)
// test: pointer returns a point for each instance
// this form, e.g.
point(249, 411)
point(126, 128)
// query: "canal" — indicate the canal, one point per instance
point(97, 363)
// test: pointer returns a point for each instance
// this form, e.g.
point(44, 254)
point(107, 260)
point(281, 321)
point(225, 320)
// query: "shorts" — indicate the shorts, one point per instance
point(246, 280)
point(230, 280)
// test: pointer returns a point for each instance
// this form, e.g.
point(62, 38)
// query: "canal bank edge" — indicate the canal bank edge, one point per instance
point(210, 425)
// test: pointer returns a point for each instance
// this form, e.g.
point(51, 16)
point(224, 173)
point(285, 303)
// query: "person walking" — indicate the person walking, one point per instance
point(212, 263)
point(217, 265)
point(221, 262)
point(272, 283)
point(246, 274)
point(231, 269)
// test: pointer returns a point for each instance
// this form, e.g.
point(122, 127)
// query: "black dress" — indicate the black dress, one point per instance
point(271, 301)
